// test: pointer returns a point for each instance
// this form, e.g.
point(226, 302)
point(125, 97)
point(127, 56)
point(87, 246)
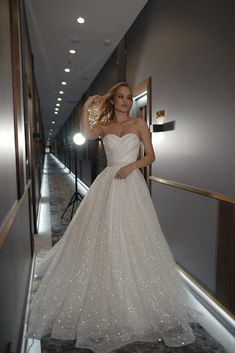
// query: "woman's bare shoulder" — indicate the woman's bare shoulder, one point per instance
point(102, 127)
point(133, 119)
point(140, 122)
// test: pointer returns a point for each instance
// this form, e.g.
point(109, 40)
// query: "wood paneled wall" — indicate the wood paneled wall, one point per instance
point(21, 159)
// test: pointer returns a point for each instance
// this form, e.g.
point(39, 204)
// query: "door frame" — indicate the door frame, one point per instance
point(144, 88)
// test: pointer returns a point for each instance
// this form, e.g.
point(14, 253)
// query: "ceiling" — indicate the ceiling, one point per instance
point(54, 30)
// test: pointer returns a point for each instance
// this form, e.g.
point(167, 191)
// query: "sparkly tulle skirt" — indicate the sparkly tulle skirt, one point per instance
point(112, 279)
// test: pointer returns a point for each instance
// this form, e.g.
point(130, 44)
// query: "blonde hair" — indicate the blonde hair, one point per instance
point(104, 112)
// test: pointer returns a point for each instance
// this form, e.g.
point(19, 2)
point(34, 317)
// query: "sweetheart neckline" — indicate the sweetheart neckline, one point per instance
point(129, 133)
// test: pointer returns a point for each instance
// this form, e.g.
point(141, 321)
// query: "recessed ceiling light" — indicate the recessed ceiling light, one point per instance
point(57, 104)
point(59, 99)
point(56, 113)
point(67, 69)
point(72, 51)
point(53, 122)
point(80, 20)
point(107, 42)
point(75, 39)
point(61, 92)
point(64, 83)
point(56, 108)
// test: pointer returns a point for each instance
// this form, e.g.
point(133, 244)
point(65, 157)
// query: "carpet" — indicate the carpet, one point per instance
point(204, 343)
point(61, 190)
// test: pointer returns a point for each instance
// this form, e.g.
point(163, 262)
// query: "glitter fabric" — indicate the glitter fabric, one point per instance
point(112, 279)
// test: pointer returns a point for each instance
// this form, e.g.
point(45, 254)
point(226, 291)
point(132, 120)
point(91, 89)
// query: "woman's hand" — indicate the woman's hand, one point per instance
point(125, 171)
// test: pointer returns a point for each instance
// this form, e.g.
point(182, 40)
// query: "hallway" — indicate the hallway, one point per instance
point(178, 60)
point(57, 188)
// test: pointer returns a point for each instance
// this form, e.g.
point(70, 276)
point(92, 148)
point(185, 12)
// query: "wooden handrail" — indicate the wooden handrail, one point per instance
point(10, 217)
point(194, 189)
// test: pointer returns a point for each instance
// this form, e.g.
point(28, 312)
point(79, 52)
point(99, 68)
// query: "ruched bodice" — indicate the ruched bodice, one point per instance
point(121, 150)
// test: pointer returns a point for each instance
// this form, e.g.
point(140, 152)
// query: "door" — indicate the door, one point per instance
point(142, 109)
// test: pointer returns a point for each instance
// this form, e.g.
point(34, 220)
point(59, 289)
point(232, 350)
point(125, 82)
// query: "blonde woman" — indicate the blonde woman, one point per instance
point(111, 279)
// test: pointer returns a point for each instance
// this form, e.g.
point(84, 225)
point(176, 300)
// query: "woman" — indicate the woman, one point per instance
point(114, 119)
point(111, 279)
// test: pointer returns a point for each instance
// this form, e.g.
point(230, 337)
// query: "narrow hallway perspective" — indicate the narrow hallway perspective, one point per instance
point(117, 170)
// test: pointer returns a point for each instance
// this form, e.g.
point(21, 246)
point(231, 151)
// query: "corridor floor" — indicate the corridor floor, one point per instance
point(50, 230)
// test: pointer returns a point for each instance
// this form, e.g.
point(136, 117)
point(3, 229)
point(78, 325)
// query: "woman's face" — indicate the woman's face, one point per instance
point(122, 99)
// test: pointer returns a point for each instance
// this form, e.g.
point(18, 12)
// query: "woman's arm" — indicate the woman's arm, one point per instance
point(84, 123)
point(148, 147)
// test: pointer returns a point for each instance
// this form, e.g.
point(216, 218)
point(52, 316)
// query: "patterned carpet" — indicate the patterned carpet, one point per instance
point(60, 192)
point(61, 189)
point(204, 343)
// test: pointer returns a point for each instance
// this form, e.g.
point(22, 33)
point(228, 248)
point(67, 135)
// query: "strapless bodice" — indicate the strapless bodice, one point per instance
point(121, 150)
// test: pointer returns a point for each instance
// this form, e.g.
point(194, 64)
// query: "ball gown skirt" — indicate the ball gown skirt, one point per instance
point(112, 279)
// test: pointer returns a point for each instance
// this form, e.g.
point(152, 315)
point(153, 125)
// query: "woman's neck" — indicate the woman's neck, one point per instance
point(120, 117)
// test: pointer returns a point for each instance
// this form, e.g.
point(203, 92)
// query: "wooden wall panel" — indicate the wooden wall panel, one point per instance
point(17, 96)
point(8, 186)
point(17, 168)
point(225, 279)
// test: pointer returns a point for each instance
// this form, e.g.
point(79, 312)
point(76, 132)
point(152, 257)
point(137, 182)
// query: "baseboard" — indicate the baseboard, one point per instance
point(21, 344)
point(208, 301)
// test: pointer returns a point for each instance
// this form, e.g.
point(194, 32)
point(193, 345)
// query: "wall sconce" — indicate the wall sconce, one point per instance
point(160, 116)
point(161, 126)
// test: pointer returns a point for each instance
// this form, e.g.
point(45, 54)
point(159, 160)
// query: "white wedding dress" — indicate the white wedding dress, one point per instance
point(112, 279)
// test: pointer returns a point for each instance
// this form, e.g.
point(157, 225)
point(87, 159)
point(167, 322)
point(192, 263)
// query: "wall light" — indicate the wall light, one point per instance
point(160, 126)
point(160, 115)
point(80, 20)
point(79, 139)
